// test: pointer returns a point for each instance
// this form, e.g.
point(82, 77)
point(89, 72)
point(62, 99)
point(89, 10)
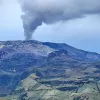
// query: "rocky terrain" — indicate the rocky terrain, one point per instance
point(33, 70)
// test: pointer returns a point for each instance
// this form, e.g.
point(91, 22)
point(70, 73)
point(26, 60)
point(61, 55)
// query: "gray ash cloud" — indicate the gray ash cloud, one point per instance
point(36, 12)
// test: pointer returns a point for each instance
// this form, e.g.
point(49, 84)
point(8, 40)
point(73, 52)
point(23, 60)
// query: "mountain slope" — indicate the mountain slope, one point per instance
point(76, 53)
point(57, 66)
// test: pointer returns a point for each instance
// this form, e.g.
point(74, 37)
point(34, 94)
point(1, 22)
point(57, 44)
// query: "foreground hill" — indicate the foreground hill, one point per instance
point(33, 70)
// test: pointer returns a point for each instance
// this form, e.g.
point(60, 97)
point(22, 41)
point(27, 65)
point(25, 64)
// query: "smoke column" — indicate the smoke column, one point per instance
point(36, 12)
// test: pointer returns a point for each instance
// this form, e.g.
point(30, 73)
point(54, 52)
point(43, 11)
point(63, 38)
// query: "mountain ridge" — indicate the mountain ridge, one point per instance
point(45, 43)
point(56, 46)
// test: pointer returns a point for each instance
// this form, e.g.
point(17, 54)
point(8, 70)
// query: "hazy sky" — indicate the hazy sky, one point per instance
point(83, 33)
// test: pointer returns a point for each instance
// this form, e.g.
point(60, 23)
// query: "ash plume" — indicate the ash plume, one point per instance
point(36, 12)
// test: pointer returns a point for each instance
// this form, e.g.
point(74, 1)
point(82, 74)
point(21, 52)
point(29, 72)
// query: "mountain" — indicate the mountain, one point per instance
point(75, 53)
point(33, 70)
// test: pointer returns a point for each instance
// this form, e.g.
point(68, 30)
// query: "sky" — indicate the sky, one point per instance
point(82, 33)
